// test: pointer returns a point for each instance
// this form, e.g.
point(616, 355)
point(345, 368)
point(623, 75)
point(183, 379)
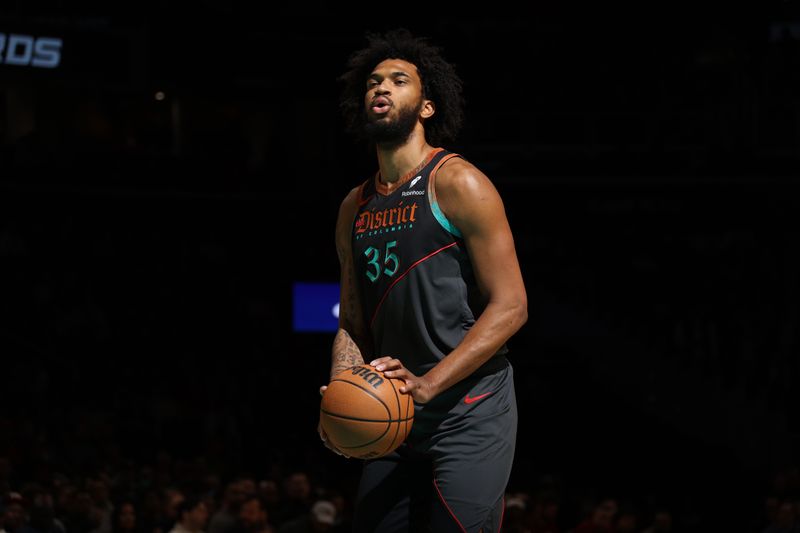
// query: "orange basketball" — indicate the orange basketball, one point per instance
point(364, 413)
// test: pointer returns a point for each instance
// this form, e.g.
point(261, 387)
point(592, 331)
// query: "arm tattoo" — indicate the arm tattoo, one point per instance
point(346, 353)
point(352, 343)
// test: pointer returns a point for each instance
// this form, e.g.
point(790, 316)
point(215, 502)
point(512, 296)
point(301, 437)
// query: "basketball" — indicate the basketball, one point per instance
point(364, 413)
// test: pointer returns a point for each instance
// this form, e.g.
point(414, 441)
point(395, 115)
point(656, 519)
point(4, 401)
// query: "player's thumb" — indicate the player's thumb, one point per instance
point(323, 389)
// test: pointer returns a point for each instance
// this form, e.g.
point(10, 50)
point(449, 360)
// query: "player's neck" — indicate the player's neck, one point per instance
point(396, 161)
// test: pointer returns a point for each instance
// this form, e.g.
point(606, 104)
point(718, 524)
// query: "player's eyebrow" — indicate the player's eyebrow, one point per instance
point(395, 74)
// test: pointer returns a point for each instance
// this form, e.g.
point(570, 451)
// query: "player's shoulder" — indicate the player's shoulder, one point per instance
point(351, 198)
point(348, 208)
point(458, 175)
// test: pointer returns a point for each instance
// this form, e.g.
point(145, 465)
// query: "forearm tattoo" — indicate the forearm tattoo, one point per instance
point(346, 353)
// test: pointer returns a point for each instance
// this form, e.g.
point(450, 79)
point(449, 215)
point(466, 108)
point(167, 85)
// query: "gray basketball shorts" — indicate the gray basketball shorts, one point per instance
point(451, 473)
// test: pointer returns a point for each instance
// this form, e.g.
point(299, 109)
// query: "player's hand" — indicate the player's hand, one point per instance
point(324, 436)
point(417, 386)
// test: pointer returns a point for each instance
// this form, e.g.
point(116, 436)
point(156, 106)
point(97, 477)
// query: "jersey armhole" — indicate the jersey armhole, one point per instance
point(360, 196)
point(437, 211)
point(360, 201)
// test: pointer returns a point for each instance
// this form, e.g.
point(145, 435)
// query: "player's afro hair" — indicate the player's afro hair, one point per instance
point(440, 83)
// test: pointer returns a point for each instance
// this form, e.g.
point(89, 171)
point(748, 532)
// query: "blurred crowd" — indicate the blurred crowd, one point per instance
point(176, 496)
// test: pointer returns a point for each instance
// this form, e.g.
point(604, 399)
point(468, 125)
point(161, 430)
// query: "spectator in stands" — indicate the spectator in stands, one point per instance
point(81, 515)
point(98, 489)
point(253, 516)
point(320, 519)
point(13, 517)
point(543, 513)
point(193, 516)
point(168, 515)
point(270, 494)
point(226, 518)
point(41, 517)
point(297, 503)
point(514, 514)
point(123, 518)
point(601, 519)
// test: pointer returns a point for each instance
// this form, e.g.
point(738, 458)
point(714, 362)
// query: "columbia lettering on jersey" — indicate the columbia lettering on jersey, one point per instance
point(414, 274)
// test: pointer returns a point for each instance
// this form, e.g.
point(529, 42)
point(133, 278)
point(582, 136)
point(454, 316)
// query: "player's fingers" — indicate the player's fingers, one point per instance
point(418, 388)
point(409, 387)
point(324, 437)
point(323, 389)
point(332, 448)
point(335, 450)
point(391, 364)
point(399, 373)
point(379, 361)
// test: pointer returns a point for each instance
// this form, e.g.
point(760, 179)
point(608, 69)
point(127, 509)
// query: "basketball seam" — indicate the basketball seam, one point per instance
point(409, 407)
point(388, 412)
point(365, 419)
point(373, 441)
point(397, 429)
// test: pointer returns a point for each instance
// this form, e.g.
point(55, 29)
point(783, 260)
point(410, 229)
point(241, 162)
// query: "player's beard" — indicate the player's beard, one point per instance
point(388, 132)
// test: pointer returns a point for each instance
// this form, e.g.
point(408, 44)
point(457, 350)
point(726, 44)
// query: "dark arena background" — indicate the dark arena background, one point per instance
point(167, 175)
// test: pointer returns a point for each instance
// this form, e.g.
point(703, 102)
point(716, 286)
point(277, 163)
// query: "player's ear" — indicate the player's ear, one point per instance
point(428, 109)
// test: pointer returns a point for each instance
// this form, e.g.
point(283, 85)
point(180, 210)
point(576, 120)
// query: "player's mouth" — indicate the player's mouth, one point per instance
point(380, 105)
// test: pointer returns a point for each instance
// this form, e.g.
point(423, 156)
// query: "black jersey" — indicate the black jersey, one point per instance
point(412, 269)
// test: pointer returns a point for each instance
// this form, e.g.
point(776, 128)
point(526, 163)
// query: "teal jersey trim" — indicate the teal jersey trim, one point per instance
point(441, 219)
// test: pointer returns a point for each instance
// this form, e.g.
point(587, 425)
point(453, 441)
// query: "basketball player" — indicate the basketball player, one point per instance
point(431, 290)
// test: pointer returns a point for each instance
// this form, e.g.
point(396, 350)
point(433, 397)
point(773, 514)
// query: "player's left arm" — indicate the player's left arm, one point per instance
point(471, 202)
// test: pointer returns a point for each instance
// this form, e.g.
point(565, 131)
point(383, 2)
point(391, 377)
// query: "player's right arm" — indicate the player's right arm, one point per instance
point(351, 343)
